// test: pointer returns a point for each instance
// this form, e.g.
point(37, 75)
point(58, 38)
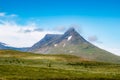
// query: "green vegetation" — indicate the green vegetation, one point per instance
point(86, 51)
point(15, 65)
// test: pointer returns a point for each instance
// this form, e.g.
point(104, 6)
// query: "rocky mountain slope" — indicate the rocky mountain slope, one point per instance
point(71, 42)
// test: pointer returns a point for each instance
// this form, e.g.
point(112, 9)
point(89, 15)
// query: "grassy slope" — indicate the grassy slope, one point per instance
point(87, 51)
point(18, 65)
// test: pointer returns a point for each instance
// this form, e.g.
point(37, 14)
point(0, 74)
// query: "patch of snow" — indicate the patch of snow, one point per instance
point(69, 38)
point(55, 45)
point(64, 45)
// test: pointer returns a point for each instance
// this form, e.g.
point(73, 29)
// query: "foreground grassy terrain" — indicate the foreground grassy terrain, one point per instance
point(16, 65)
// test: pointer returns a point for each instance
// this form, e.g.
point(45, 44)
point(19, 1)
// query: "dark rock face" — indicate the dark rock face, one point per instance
point(46, 41)
point(72, 36)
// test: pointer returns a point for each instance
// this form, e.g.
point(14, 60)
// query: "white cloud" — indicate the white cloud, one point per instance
point(13, 15)
point(10, 33)
point(17, 35)
point(2, 14)
point(60, 28)
point(5, 15)
point(93, 38)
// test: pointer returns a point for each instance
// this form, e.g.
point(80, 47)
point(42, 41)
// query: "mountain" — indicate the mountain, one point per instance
point(53, 41)
point(3, 46)
point(71, 42)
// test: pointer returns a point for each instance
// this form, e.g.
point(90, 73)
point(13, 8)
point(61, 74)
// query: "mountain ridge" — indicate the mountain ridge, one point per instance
point(71, 42)
point(4, 46)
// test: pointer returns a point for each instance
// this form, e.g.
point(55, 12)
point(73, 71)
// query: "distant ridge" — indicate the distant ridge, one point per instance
point(3, 46)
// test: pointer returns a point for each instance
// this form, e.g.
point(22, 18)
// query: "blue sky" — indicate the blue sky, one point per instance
point(98, 21)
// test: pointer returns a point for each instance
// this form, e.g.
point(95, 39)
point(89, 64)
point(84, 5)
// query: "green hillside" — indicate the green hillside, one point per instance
point(15, 65)
point(86, 51)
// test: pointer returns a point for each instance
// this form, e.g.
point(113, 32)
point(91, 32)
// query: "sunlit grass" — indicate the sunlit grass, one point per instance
point(19, 66)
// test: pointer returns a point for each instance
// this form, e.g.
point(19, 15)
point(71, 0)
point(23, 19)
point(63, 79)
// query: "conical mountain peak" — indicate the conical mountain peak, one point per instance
point(72, 36)
point(71, 30)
